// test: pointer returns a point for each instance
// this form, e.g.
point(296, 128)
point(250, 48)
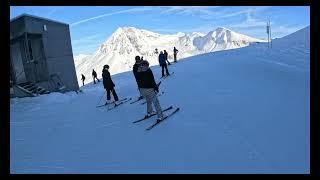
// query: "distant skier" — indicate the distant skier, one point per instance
point(149, 89)
point(156, 51)
point(108, 83)
point(94, 75)
point(166, 56)
point(175, 51)
point(163, 63)
point(135, 73)
point(83, 78)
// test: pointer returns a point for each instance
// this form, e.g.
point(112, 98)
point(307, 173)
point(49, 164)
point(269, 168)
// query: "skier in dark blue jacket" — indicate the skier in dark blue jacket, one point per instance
point(108, 83)
point(163, 63)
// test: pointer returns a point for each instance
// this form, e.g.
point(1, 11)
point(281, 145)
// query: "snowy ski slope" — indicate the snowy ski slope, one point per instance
point(243, 110)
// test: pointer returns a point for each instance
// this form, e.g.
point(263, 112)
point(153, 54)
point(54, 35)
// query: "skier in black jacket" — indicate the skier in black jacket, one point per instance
point(135, 72)
point(149, 89)
point(94, 76)
point(83, 78)
point(175, 51)
point(166, 56)
point(108, 83)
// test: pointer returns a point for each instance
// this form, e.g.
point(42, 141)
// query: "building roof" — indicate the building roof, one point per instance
point(37, 17)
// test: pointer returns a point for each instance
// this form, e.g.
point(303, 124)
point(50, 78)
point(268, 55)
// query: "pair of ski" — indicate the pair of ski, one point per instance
point(158, 122)
point(163, 77)
point(111, 102)
point(116, 103)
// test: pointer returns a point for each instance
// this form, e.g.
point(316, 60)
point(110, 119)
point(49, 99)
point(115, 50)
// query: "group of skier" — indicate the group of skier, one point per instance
point(147, 86)
point(94, 76)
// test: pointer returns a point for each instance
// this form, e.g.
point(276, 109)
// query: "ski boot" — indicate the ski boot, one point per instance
point(149, 114)
point(159, 120)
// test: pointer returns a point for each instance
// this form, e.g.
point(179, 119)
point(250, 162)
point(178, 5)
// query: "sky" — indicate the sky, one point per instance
point(90, 26)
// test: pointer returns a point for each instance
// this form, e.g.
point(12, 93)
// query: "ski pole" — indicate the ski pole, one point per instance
point(101, 97)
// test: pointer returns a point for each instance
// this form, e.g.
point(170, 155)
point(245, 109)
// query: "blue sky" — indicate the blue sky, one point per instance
point(92, 25)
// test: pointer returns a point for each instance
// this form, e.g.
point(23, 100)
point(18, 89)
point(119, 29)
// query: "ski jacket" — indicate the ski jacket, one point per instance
point(175, 51)
point(94, 74)
point(107, 81)
point(166, 55)
point(162, 59)
point(146, 78)
point(135, 73)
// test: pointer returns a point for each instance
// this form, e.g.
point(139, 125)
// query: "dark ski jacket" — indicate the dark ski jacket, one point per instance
point(162, 59)
point(146, 79)
point(135, 73)
point(166, 55)
point(94, 74)
point(175, 51)
point(83, 77)
point(107, 81)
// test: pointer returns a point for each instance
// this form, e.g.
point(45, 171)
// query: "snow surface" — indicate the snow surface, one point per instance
point(244, 110)
point(125, 43)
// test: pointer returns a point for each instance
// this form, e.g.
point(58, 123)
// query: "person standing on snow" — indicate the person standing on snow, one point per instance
point(83, 78)
point(166, 56)
point(149, 89)
point(94, 75)
point(175, 51)
point(163, 63)
point(108, 83)
point(135, 72)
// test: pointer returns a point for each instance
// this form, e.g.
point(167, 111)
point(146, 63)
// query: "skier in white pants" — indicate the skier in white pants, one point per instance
point(149, 89)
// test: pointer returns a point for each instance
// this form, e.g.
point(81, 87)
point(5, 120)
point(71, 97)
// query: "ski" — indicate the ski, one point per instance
point(167, 76)
point(170, 107)
point(157, 96)
point(116, 105)
point(152, 126)
point(111, 102)
point(136, 100)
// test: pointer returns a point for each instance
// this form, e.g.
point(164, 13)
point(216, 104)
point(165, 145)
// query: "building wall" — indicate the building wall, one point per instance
point(57, 49)
point(17, 28)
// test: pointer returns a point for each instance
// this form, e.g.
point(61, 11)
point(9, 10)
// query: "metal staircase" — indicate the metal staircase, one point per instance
point(32, 89)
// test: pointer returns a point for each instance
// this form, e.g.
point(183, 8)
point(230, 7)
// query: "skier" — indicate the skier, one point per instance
point(156, 51)
point(149, 89)
point(94, 75)
point(175, 51)
point(163, 63)
point(135, 72)
point(166, 56)
point(83, 78)
point(108, 83)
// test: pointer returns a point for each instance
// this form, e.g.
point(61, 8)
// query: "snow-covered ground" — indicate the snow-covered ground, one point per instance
point(244, 110)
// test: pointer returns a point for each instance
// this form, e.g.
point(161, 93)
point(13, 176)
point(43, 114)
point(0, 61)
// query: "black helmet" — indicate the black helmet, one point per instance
point(137, 58)
point(106, 66)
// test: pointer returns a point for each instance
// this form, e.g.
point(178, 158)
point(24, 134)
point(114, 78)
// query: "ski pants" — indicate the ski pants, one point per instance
point(115, 96)
point(164, 66)
point(151, 97)
point(175, 57)
point(94, 80)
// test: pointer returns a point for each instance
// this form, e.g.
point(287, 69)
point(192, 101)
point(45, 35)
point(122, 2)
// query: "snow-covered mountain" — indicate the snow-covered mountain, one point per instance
point(126, 42)
point(244, 111)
